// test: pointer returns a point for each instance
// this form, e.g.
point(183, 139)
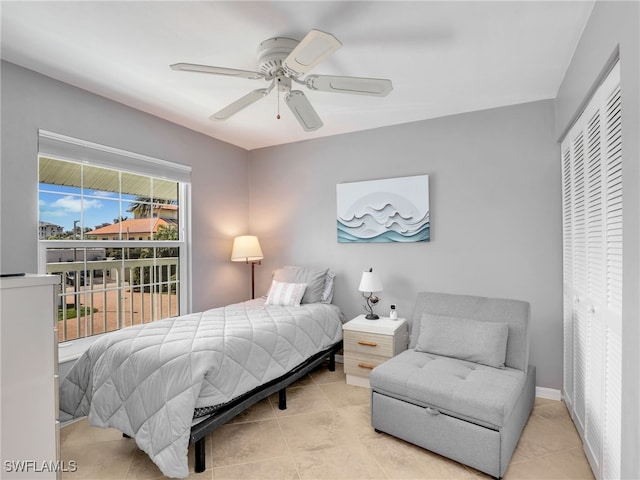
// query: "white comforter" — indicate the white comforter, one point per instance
point(147, 380)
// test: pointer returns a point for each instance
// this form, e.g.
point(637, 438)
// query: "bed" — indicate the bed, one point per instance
point(171, 382)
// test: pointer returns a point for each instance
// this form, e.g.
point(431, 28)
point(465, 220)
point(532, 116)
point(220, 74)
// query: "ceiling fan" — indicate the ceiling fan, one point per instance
point(283, 62)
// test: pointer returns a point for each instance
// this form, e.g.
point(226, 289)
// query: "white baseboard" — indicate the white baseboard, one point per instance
point(548, 393)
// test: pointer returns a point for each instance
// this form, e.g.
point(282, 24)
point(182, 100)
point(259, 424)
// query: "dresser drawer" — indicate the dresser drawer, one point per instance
point(368, 343)
point(361, 365)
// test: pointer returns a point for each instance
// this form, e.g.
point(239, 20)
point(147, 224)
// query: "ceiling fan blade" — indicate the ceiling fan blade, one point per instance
point(232, 72)
point(303, 111)
point(239, 104)
point(378, 87)
point(312, 49)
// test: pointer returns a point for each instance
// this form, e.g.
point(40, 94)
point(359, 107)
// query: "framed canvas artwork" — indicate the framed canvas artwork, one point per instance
point(388, 210)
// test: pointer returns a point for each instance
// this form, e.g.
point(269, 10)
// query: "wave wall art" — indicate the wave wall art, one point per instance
point(389, 210)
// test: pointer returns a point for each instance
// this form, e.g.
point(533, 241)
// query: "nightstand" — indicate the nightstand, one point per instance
point(368, 343)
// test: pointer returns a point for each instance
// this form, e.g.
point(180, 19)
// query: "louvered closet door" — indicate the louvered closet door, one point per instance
point(592, 244)
point(579, 282)
point(595, 287)
point(568, 320)
point(613, 311)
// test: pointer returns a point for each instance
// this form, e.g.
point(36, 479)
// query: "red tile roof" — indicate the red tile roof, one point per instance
point(133, 226)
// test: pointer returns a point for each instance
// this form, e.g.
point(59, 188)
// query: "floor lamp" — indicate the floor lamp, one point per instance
point(246, 248)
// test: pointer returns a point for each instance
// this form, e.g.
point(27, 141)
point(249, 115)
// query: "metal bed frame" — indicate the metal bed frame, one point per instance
point(240, 404)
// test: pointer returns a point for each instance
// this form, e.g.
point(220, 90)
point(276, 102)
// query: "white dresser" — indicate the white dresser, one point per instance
point(30, 431)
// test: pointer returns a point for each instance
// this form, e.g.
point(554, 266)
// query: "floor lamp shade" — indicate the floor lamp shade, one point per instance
point(246, 248)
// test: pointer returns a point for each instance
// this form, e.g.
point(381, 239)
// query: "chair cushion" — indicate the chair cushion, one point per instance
point(464, 339)
point(465, 390)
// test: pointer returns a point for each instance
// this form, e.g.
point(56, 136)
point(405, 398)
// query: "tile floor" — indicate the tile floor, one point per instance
point(325, 433)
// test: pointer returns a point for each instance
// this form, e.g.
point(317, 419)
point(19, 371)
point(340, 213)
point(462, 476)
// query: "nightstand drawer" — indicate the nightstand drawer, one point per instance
point(361, 365)
point(368, 343)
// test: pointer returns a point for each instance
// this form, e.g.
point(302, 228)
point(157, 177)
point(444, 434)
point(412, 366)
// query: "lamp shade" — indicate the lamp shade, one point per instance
point(246, 248)
point(370, 282)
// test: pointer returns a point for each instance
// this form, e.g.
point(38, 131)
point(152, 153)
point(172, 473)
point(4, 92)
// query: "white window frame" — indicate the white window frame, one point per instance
point(62, 147)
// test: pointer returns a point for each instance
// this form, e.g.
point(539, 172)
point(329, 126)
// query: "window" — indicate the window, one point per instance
point(117, 235)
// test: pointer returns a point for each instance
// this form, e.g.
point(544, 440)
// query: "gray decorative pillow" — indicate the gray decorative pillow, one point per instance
point(463, 338)
point(315, 280)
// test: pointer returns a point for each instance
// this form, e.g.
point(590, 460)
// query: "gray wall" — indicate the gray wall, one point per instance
point(219, 202)
point(615, 26)
point(495, 214)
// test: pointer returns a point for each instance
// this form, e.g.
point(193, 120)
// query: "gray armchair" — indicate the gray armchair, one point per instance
point(464, 388)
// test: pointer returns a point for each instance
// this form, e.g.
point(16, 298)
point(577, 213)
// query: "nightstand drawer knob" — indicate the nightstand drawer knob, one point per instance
point(367, 344)
point(366, 365)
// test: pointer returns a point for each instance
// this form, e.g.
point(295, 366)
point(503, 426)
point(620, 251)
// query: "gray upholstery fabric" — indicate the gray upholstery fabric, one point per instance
point(462, 441)
point(513, 312)
point(463, 410)
point(485, 449)
point(467, 390)
point(464, 339)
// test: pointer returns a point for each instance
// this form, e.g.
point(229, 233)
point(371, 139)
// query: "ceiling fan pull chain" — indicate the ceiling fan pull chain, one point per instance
point(278, 116)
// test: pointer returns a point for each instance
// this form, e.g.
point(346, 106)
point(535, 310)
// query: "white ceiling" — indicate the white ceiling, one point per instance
point(443, 57)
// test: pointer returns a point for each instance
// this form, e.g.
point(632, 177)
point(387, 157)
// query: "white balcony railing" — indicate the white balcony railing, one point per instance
point(105, 295)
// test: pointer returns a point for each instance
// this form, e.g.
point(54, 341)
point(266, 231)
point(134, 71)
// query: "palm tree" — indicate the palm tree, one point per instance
point(143, 207)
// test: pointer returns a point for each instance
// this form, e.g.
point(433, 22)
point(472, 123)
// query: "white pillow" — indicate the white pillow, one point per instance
point(283, 293)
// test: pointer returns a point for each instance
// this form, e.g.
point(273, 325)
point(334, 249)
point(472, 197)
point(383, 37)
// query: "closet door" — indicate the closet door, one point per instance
point(568, 320)
point(579, 282)
point(592, 256)
point(613, 312)
point(595, 288)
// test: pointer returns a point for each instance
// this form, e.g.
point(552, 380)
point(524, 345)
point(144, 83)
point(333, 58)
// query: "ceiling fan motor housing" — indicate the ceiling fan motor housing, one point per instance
point(283, 82)
point(271, 54)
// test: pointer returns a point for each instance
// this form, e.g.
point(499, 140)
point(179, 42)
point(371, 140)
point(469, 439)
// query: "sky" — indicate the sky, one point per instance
point(62, 206)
